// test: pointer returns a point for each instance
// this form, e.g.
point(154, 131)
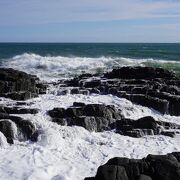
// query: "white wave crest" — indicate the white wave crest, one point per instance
point(54, 67)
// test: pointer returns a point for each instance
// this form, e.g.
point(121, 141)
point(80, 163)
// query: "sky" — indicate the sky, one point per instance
point(90, 21)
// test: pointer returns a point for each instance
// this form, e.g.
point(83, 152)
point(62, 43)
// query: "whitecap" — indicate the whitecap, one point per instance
point(55, 67)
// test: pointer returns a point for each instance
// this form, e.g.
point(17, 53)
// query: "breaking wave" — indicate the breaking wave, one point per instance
point(54, 67)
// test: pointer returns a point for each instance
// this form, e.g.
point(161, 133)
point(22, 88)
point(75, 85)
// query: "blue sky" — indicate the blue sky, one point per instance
point(90, 21)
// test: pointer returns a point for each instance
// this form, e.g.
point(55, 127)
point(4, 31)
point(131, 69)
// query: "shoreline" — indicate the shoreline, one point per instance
point(82, 113)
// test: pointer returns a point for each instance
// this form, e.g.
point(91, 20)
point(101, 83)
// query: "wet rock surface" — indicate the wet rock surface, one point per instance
point(16, 128)
point(19, 85)
point(151, 87)
point(153, 167)
point(98, 118)
point(154, 88)
point(93, 117)
point(17, 110)
point(146, 126)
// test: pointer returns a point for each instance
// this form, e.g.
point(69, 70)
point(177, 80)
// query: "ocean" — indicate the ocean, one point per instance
point(54, 60)
point(72, 152)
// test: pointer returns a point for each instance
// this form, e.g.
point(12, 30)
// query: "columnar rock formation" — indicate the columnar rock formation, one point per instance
point(151, 87)
point(98, 118)
point(19, 85)
point(155, 88)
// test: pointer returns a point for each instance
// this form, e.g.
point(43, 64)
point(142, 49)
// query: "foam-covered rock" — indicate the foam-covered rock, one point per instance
point(151, 87)
point(14, 127)
point(99, 117)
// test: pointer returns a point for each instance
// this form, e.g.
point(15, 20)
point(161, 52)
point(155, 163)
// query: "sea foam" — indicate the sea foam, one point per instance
point(54, 67)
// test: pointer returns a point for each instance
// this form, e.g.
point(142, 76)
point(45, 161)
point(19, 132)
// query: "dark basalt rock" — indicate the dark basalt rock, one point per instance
point(79, 104)
point(151, 87)
point(25, 129)
point(101, 110)
point(72, 82)
point(148, 101)
point(41, 88)
point(75, 91)
point(6, 127)
point(145, 126)
point(90, 123)
point(98, 118)
point(86, 75)
point(168, 133)
point(74, 112)
point(94, 117)
point(57, 113)
point(19, 96)
point(17, 110)
point(92, 84)
point(144, 177)
point(79, 91)
point(173, 100)
point(60, 121)
point(139, 73)
point(153, 167)
point(109, 172)
point(18, 85)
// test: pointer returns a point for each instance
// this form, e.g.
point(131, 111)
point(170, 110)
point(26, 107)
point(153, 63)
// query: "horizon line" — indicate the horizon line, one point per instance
point(90, 42)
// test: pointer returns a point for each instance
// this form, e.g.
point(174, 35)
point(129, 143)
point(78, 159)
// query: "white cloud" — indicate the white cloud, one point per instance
point(22, 12)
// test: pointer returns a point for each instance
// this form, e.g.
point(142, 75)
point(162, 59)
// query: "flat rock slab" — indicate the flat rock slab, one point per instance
point(151, 87)
point(99, 117)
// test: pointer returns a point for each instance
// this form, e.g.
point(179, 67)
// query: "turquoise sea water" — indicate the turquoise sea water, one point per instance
point(130, 50)
point(36, 57)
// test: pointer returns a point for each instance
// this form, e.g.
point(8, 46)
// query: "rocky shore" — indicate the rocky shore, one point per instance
point(154, 88)
point(18, 86)
point(153, 167)
point(151, 87)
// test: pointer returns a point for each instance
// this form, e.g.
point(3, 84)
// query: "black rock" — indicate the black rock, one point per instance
point(139, 73)
point(109, 172)
point(57, 113)
point(144, 177)
point(147, 122)
point(95, 91)
point(89, 123)
point(25, 129)
point(92, 84)
point(35, 135)
point(18, 85)
point(93, 117)
point(60, 121)
point(74, 112)
point(148, 101)
point(75, 91)
point(145, 126)
point(168, 133)
point(99, 117)
point(151, 87)
point(17, 110)
point(7, 128)
point(166, 167)
point(79, 104)
point(41, 88)
point(153, 167)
